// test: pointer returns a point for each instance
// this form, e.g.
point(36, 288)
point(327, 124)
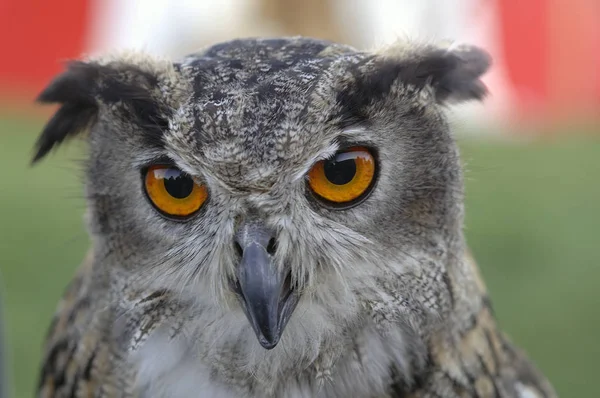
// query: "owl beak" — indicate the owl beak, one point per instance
point(266, 293)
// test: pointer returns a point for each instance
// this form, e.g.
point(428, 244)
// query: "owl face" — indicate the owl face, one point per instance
point(273, 182)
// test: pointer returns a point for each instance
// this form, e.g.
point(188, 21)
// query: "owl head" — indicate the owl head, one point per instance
point(270, 182)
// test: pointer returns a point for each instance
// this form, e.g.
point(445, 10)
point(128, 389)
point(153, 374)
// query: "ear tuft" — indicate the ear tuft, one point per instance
point(459, 78)
point(68, 121)
point(131, 81)
point(454, 73)
point(74, 89)
point(74, 85)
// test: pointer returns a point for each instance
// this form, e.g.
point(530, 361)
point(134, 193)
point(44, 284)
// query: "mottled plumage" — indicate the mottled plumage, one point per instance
point(390, 303)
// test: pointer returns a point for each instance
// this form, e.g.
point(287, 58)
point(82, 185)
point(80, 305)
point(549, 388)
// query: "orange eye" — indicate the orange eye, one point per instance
point(344, 178)
point(173, 192)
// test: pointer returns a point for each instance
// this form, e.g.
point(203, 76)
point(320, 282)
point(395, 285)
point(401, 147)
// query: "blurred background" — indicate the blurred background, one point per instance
point(531, 152)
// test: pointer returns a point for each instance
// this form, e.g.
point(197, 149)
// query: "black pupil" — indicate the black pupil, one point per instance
point(340, 172)
point(178, 184)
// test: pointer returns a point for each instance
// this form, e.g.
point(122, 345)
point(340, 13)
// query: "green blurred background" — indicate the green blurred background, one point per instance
point(533, 213)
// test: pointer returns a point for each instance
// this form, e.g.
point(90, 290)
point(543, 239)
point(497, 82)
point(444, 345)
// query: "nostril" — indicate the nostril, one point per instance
point(238, 249)
point(272, 246)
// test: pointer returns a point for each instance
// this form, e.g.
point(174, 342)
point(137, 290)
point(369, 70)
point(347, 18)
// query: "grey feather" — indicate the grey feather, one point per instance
point(389, 302)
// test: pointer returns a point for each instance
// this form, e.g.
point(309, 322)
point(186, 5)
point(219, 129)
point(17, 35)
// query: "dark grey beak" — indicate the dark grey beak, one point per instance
point(265, 292)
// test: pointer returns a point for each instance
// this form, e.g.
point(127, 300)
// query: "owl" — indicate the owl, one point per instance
point(275, 217)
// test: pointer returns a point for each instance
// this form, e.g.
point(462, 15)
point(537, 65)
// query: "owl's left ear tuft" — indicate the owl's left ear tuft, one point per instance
point(454, 73)
point(459, 78)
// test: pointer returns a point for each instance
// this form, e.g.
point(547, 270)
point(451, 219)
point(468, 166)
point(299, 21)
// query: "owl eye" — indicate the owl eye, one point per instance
point(345, 178)
point(173, 192)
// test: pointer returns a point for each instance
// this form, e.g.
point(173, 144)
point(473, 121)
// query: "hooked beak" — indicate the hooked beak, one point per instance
point(265, 293)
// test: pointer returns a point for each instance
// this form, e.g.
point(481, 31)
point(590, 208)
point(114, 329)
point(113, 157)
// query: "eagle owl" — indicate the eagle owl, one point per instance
point(275, 218)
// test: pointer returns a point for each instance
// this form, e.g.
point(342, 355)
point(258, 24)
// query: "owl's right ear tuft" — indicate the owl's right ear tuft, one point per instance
point(74, 89)
point(129, 81)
